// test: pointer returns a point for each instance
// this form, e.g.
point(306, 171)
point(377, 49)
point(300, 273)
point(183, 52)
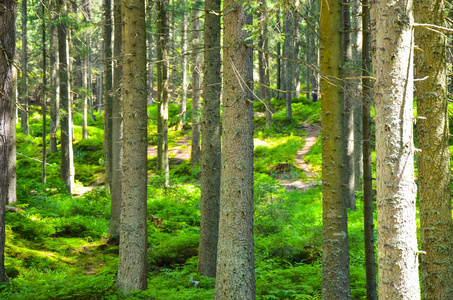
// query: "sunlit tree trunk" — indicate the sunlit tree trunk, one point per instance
point(44, 96)
point(162, 86)
point(210, 144)
point(195, 154)
point(235, 256)
point(67, 157)
point(434, 158)
point(107, 88)
point(24, 87)
point(132, 265)
point(150, 66)
point(7, 124)
point(279, 53)
point(335, 247)
point(392, 44)
point(12, 175)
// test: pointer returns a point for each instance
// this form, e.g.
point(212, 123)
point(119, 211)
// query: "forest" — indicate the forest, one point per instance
point(235, 149)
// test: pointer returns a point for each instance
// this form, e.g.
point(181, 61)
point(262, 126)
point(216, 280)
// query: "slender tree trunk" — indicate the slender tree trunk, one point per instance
point(368, 195)
point(44, 96)
point(54, 82)
point(335, 249)
point(235, 257)
point(132, 265)
point(85, 98)
point(107, 88)
point(210, 144)
point(396, 190)
point(195, 154)
point(288, 52)
point(7, 125)
point(308, 50)
point(24, 88)
point(117, 128)
point(263, 60)
point(296, 54)
point(11, 159)
point(67, 161)
point(434, 158)
point(150, 68)
point(184, 46)
point(162, 84)
point(279, 53)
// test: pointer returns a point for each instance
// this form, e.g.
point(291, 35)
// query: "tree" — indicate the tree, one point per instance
point(195, 153)
point(67, 171)
point(396, 190)
point(335, 249)
point(235, 277)
point(263, 61)
point(434, 158)
point(132, 265)
point(210, 144)
point(24, 86)
point(184, 47)
point(107, 88)
point(54, 82)
point(7, 124)
point(117, 128)
point(44, 96)
point(162, 90)
point(288, 52)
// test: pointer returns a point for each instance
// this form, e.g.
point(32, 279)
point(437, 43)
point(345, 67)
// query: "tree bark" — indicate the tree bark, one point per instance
point(396, 191)
point(279, 53)
point(44, 96)
point(54, 82)
point(24, 87)
point(67, 171)
point(288, 52)
point(210, 144)
point(107, 88)
point(162, 85)
point(235, 257)
point(7, 125)
point(368, 195)
point(132, 265)
point(434, 158)
point(263, 61)
point(335, 249)
point(12, 174)
point(195, 153)
point(117, 128)
point(184, 47)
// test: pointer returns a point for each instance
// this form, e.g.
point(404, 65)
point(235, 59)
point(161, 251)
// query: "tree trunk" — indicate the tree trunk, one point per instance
point(263, 60)
point(12, 175)
point(279, 53)
point(396, 190)
point(162, 84)
point(308, 51)
point(85, 98)
point(368, 195)
point(24, 87)
point(54, 82)
point(335, 249)
point(7, 124)
point(150, 68)
point(117, 128)
point(184, 46)
point(235, 257)
point(107, 88)
point(132, 264)
point(288, 52)
point(67, 161)
point(434, 158)
point(210, 144)
point(44, 96)
point(195, 154)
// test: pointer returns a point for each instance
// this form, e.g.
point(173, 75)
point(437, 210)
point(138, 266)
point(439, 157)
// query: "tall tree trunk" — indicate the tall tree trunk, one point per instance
point(44, 96)
point(296, 53)
point(368, 195)
point(396, 190)
point(279, 53)
point(335, 249)
point(348, 112)
point(235, 256)
point(195, 154)
point(210, 144)
point(162, 85)
point(107, 88)
point(263, 60)
point(54, 82)
point(184, 46)
point(85, 98)
point(24, 88)
point(117, 128)
point(132, 264)
point(7, 125)
point(67, 161)
point(150, 67)
point(11, 159)
point(288, 52)
point(308, 50)
point(434, 158)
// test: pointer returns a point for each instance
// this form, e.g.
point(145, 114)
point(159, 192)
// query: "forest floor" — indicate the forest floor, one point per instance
point(182, 150)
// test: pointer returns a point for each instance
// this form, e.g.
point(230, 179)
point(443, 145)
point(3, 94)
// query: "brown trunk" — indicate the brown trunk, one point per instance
point(195, 154)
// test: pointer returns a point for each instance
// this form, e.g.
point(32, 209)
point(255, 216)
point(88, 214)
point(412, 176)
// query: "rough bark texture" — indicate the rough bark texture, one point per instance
point(434, 158)
point(211, 153)
point(117, 128)
point(132, 266)
point(12, 174)
point(67, 171)
point(368, 195)
point(391, 28)
point(7, 40)
point(335, 249)
point(24, 83)
point(235, 257)
point(162, 87)
point(54, 83)
point(107, 88)
point(263, 61)
point(195, 153)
